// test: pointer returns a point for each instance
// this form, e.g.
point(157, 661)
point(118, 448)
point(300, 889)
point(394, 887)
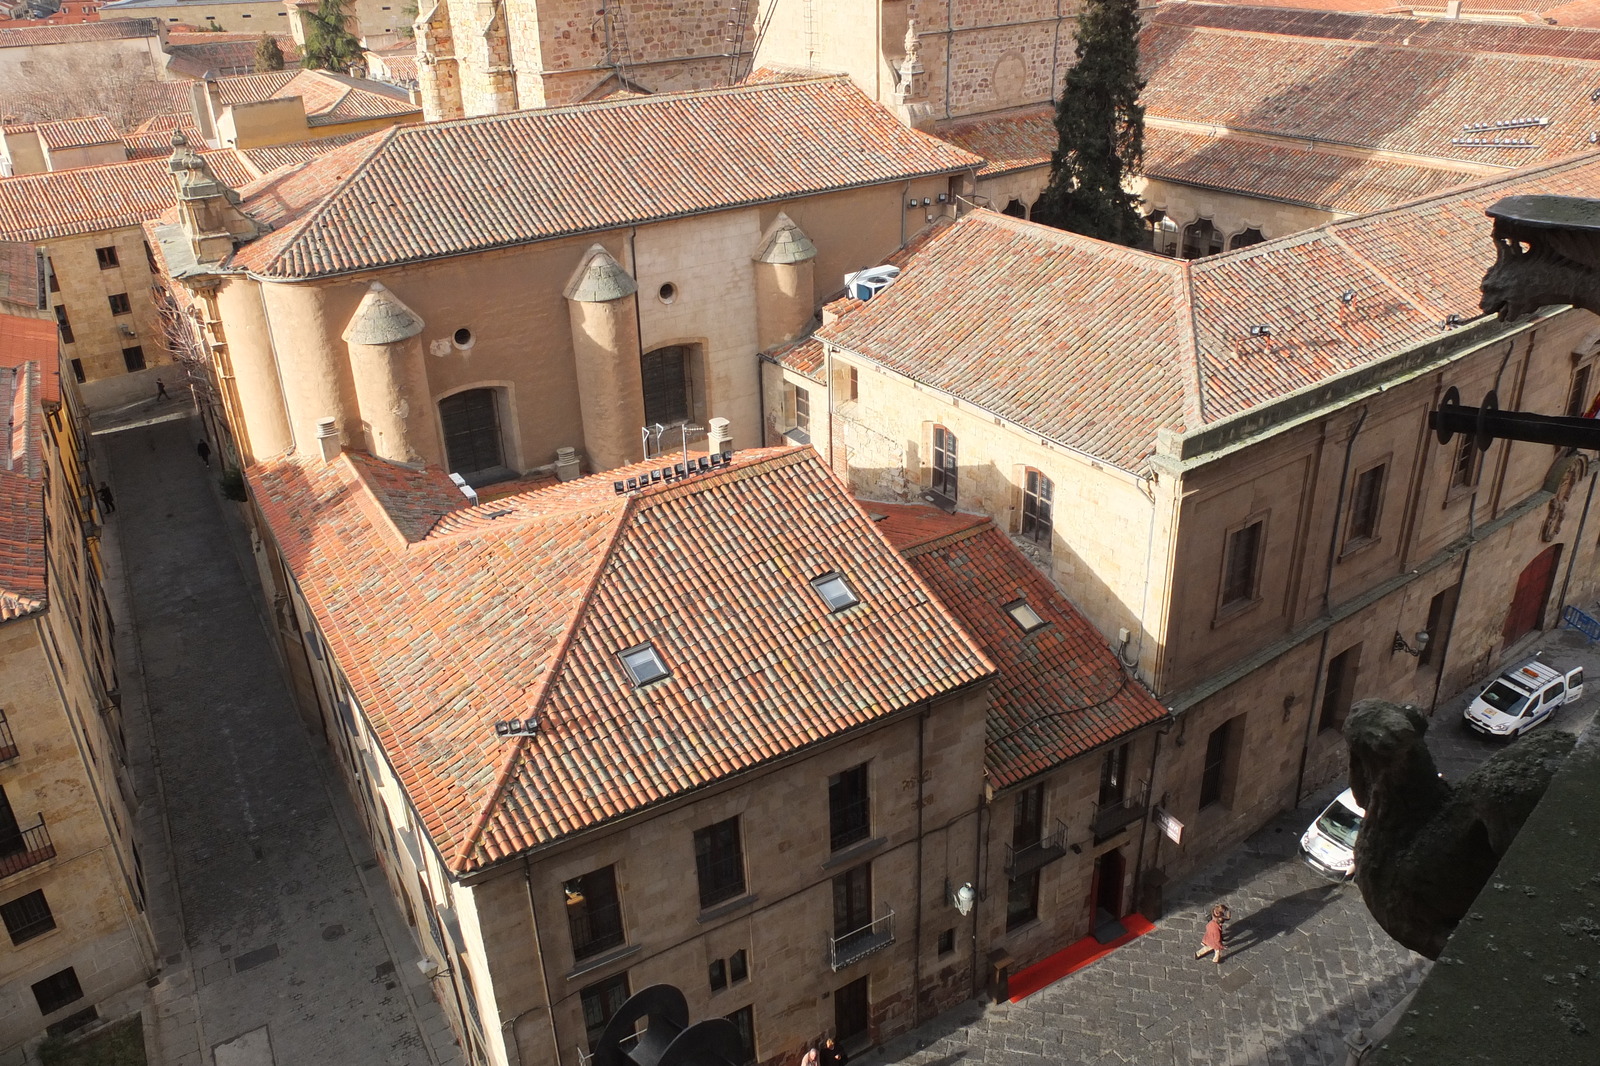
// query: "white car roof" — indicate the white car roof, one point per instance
point(1348, 798)
point(1531, 675)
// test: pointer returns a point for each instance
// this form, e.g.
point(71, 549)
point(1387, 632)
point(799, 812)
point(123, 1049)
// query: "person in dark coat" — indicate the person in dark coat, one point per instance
point(833, 1054)
point(161, 390)
point(204, 451)
point(107, 502)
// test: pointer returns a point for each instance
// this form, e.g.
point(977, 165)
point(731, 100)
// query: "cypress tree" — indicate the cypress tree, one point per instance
point(1100, 123)
point(329, 45)
point(268, 55)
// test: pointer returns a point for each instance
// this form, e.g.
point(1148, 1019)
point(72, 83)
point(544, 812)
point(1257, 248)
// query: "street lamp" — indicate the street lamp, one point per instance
point(1401, 645)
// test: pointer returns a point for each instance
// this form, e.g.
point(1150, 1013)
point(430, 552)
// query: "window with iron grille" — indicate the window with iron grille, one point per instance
point(1114, 776)
point(1027, 818)
point(1038, 494)
point(471, 424)
point(107, 257)
point(1464, 471)
point(594, 913)
point(133, 358)
point(852, 900)
point(1240, 565)
point(119, 303)
point(849, 808)
point(665, 375)
point(27, 917)
point(57, 990)
point(1366, 504)
point(944, 463)
point(600, 1002)
point(719, 860)
point(1211, 777)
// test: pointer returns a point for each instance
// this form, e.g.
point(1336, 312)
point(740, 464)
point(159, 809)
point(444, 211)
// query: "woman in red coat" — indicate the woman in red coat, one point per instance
point(1213, 937)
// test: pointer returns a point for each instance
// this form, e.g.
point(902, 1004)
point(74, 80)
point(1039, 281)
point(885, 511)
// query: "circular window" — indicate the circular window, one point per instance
point(463, 338)
point(668, 293)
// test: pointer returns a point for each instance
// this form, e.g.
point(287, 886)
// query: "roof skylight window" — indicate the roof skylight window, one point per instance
point(1026, 617)
point(644, 664)
point(835, 591)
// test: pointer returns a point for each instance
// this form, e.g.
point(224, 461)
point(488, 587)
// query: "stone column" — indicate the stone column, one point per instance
point(785, 284)
point(602, 305)
point(391, 379)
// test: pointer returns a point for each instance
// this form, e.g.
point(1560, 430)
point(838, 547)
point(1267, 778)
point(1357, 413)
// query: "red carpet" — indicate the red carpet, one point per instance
point(1025, 983)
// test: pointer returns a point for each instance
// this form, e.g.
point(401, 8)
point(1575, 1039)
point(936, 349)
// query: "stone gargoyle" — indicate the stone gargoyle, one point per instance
point(1547, 252)
point(1426, 848)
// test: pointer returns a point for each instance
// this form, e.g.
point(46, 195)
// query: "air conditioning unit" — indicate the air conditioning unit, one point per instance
point(865, 284)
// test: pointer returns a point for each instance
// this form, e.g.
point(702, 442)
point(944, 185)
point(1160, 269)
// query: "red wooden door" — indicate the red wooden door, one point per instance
point(1533, 590)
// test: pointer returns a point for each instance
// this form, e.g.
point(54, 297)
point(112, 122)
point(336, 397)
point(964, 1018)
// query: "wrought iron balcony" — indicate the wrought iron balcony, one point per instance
point(1020, 862)
point(28, 847)
point(8, 744)
point(859, 943)
point(1112, 818)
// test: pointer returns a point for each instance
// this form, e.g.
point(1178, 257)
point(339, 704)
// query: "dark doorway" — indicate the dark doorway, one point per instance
point(1533, 591)
point(471, 422)
point(852, 900)
point(1016, 209)
point(1109, 873)
point(10, 833)
point(665, 374)
point(852, 1011)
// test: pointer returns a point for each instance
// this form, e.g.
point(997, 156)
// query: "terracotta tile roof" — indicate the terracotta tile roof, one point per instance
point(1030, 323)
point(802, 356)
point(166, 123)
point(266, 160)
point(28, 351)
point(59, 203)
point(77, 32)
point(1059, 691)
point(408, 195)
point(1016, 140)
point(33, 340)
point(77, 132)
point(519, 608)
point(1402, 30)
point(1386, 96)
point(1578, 13)
point(156, 143)
point(194, 54)
point(22, 277)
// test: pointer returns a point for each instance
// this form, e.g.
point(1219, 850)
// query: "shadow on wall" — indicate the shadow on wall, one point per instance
point(138, 386)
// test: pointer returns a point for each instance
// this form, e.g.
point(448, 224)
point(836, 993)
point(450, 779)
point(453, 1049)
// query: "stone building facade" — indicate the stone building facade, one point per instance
point(71, 890)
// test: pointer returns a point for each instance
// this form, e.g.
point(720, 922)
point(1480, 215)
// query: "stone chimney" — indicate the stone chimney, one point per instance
point(207, 208)
point(328, 438)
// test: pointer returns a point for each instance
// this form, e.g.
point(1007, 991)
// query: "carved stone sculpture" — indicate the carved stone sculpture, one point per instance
point(1426, 848)
point(1547, 252)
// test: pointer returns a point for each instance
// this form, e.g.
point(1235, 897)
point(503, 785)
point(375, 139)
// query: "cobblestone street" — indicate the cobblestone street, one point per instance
point(1307, 965)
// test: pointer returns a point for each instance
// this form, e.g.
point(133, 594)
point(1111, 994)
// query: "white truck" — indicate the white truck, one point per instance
point(1522, 697)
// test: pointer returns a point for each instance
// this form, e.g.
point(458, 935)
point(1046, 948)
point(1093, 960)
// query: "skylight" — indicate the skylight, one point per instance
point(835, 591)
point(1026, 617)
point(644, 664)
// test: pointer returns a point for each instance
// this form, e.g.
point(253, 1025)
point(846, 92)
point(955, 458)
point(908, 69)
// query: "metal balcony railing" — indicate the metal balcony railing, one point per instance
point(1114, 817)
point(8, 744)
point(1020, 862)
point(28, 847)
point(859, 943)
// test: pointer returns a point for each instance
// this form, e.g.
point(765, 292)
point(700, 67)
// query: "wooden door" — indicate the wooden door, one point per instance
point(1533, 591)
point(851, 1011)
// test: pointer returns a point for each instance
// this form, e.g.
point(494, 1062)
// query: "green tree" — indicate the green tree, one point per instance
point(1100, 123)
point(329, 44)
point(268, 55)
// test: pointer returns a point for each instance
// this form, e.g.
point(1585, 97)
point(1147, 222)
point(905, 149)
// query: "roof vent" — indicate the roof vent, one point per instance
point(719, 437)
point(1260, 331)
point(328, 438)
point(466, 490)
point(517, 727)
point(865, 284)
point(568, 466)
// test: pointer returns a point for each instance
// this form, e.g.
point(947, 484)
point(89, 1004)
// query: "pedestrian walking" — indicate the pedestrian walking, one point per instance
point(1212, 944)
point(833, 1054)
point(161, 391)
point(810, 1057)
point(204, 451)
point(107, 504)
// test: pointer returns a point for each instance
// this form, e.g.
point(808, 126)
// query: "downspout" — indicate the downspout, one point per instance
point(510, 1027)
point(916, 954)
point(977, 874)
point(1313, 703)
point(1144, 830)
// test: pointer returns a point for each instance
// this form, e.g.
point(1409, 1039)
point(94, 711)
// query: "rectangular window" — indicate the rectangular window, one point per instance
point(1022, 901)
point(1366, 505)
point(133, 357)
point(719, 860)
point(57, 990)
point(27, 917)
point(1578, 395)
point(802, 410)
point(1211, 777)
point(855, 385)
point(852, 900)
point(1114, 776)
point(738, 967)
point(1339, 688)
point(718, 974)
point(594, 913)
point(744, 1020)
point(77, 371)
point(1038, 495)
point(601, 1001)
point(947, 942)
point(1027, 817)
point(107, 257)
point(63, 324)
point(1464, 471)
point(945, 463)
point(1240, 566)
point(849, 808)
point(55, 284)
point(119, 303)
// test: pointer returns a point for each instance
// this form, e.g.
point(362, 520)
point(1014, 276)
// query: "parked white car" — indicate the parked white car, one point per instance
point(1522, 697)
point(1329, 845)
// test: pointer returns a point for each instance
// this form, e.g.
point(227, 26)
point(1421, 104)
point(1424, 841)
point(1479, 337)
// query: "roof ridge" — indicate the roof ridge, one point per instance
point(325, 202)
point(1189, 345)
point(503, 779)
point(944, 540)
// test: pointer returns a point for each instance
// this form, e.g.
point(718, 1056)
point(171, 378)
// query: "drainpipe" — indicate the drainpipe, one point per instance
point(510, 1028)
point(1144, 830)
point(977, 875)
point(1313, 704)
point(916, 955)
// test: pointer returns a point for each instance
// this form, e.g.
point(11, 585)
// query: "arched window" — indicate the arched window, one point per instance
point(1201, 238)
point(1016, 209)
point(471, 423)
point(1038, 496)
point(1246, 237)
point(666, 385)
point(1162, 234)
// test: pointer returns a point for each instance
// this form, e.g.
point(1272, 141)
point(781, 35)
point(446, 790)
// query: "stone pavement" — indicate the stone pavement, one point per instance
point(279, 941)
point(1307, 965)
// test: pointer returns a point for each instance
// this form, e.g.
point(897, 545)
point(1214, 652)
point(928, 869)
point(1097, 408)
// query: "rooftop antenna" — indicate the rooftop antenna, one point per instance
point(652, 440)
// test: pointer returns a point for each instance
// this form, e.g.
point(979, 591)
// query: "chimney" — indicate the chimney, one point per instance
point(719, 437)
point(328, 438)
point(567, 464)
point(1452, 10)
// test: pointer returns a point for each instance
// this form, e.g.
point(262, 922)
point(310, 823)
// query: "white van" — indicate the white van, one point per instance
point(1522, 697)
point(1329, 845)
